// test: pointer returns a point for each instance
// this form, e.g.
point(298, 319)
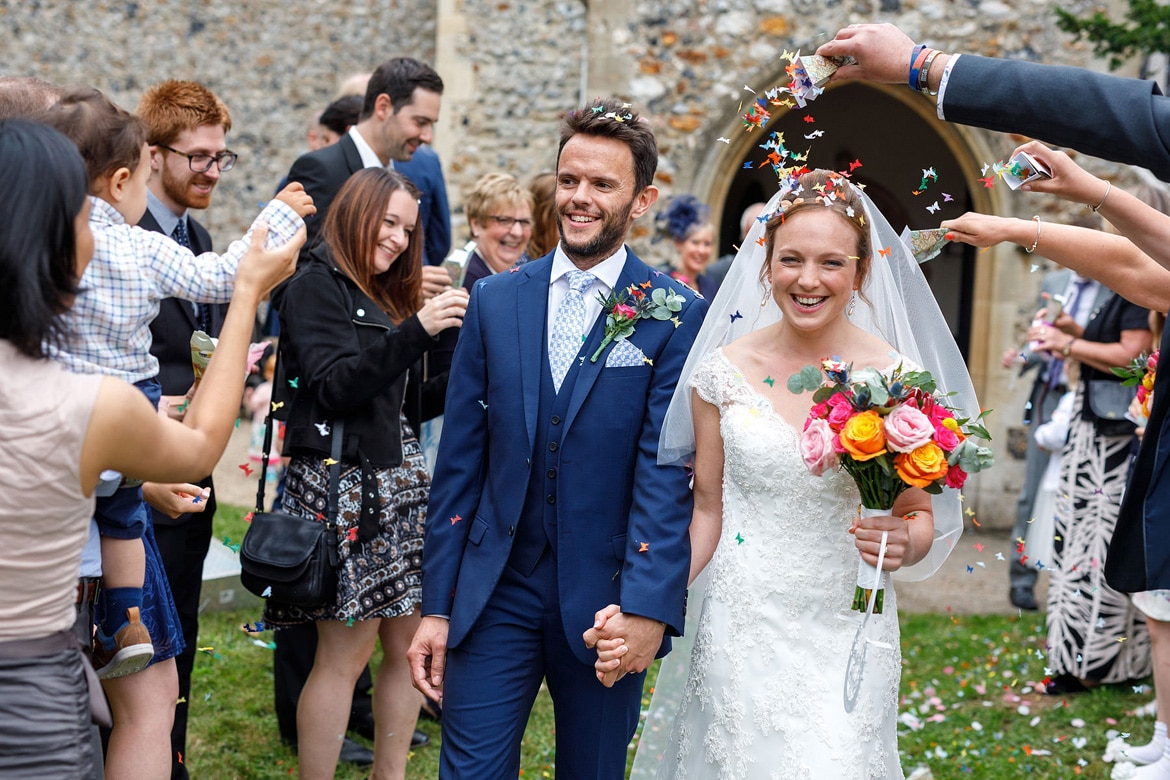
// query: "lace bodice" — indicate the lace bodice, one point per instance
point(764, 697)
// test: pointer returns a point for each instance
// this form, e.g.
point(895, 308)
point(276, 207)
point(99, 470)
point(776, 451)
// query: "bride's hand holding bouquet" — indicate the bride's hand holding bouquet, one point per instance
point(890, 434)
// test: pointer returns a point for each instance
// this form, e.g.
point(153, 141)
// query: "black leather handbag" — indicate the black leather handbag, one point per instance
point(289, 559)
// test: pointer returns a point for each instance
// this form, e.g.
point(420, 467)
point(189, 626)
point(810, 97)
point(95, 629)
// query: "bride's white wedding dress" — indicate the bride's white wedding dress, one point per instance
point(765, 693)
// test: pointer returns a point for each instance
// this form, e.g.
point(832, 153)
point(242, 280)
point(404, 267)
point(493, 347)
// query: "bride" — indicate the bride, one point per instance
point(764, 693)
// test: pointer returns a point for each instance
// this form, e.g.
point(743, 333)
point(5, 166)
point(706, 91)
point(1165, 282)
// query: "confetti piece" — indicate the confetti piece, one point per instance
point(769, 381)
point(329, 461)
point(276, 405)
point(739, 538)
point(735, 316)
point(322, 428)
point(482, 403)
point(244, 467)
point(228, 543)
point(643, 547)
point(723, 140)
point(295, 382)
point(267, 592)
point(455, 519)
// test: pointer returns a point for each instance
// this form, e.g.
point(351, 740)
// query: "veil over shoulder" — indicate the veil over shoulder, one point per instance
point(897, 305)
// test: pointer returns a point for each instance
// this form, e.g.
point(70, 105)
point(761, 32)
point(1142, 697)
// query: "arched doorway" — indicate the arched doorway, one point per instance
point(895, 135)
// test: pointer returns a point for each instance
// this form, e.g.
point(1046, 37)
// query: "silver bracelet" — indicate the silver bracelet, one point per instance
point(1108, 188)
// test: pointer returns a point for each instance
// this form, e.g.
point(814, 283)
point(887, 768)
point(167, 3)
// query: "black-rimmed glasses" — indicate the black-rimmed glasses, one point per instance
point(507, 222)
point(201, 163)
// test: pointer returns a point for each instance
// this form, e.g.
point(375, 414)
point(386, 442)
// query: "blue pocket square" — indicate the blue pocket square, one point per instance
point(624, 354)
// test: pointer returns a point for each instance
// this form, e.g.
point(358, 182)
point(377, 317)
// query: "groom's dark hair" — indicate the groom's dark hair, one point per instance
point(610, 118)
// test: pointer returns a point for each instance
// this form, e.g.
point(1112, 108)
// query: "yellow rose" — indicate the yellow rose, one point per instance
point(862, 436)
point(922, 466)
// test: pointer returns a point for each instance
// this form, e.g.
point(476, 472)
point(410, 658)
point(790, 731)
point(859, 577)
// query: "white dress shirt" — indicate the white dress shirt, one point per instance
point(606, 273)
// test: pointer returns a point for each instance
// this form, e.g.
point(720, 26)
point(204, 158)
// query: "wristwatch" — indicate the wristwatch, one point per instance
point(1068, 348)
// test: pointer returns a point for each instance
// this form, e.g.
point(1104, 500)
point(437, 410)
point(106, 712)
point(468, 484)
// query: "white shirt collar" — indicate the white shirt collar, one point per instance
point(607, 271)
point(369, 157)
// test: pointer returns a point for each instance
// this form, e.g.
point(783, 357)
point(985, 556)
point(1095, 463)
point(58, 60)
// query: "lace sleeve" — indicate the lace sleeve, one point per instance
point(712, 379)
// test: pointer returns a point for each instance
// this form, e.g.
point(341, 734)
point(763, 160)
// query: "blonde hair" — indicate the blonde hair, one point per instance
point(492, 192)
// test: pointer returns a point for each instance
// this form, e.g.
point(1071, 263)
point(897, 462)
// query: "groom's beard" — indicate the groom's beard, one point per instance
point(607, 240)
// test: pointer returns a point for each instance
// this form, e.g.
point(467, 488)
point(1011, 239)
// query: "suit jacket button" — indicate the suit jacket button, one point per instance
point(555, 420)
point(552, 499)
point(361, 312)
point(552, 473)
point(552, 446)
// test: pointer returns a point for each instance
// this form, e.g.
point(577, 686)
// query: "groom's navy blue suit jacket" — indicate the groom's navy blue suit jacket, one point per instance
point(619, 519)
point(1126, 120)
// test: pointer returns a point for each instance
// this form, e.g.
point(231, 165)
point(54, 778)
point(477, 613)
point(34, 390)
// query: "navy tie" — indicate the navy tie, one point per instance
point(202, 312)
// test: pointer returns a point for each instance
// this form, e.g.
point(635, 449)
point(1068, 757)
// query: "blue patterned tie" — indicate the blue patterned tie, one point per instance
point(566, 335)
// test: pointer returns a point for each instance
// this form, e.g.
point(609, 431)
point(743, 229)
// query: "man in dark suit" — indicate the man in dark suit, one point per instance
point(183, 118)
point(1120, 119)
point(512, 578)
point(399, 111)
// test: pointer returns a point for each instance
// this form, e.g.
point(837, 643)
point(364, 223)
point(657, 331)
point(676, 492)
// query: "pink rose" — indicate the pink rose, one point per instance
point(955, 478)
point(816, 447)
point(840, 410)
point(945, 437)
point(907, 428)
point(623, 311)
point(817, 412)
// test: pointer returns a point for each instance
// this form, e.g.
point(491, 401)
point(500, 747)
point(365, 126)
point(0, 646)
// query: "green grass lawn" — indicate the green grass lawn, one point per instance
point(969, 708)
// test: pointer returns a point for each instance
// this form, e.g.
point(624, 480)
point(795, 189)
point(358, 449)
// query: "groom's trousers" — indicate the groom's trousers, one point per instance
point(494, 675)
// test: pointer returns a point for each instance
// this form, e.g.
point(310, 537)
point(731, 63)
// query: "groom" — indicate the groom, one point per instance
point(548, 502)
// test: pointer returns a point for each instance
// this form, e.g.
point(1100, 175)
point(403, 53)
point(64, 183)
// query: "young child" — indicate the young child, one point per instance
point(108, 332)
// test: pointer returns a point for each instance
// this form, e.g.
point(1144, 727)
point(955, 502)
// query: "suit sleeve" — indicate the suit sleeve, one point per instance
point(460, 467)
point(320, 182)
point(341, 375)
point(1114, 118)
point(654, 581)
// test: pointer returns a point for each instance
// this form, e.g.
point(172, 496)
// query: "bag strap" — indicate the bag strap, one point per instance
point(338, 434)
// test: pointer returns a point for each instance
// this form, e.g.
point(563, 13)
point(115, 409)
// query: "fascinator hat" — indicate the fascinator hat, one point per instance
point(895, 303)
point(682, 213)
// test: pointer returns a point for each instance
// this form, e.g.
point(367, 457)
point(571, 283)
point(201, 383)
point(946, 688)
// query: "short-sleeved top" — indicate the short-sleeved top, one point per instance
point(44, 517)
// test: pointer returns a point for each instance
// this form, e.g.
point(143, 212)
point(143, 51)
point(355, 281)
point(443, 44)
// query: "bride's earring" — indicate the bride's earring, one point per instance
point(852, 305)
point(767, 294)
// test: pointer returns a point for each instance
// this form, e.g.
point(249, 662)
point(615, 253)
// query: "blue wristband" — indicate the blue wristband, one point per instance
point(913, 80)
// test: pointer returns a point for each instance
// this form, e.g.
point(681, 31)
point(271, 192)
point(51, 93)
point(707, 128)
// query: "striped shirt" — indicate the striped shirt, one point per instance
point(108, 327)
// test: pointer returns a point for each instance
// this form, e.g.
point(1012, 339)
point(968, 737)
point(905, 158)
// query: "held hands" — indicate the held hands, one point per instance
point(867, 536)
point(262, 269)
point(1050, 338)
point(444, 311)
point(294, 196)
point(428, 657)
point(176, 499)
point(624, 643)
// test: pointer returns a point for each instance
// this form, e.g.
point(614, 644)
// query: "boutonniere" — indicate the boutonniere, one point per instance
point(625, 307)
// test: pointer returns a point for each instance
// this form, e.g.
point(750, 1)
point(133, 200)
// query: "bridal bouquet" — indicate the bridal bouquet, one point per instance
point(889, 433)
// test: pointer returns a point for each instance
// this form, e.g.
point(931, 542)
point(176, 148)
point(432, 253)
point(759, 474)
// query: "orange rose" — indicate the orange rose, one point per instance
point(862, 436)
point(922, 466)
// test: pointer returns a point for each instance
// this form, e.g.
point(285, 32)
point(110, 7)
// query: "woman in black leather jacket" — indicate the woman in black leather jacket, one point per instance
point(352, 326)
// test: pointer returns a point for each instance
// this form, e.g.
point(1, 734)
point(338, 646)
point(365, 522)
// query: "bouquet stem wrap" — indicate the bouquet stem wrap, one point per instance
point(870, 581)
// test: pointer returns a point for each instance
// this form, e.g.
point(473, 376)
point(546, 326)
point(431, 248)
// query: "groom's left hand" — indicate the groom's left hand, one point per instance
point(630, 641)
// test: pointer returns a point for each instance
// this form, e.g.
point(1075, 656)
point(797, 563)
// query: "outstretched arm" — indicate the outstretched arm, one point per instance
point(1112, 260)
point(127, 435)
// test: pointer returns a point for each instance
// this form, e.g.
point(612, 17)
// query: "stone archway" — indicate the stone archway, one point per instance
point(895, 134)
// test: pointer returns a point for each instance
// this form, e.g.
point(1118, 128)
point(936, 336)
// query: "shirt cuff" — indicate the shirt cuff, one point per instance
point(942, 87)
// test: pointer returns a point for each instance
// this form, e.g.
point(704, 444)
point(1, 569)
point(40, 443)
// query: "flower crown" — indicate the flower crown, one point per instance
point(836, 189)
